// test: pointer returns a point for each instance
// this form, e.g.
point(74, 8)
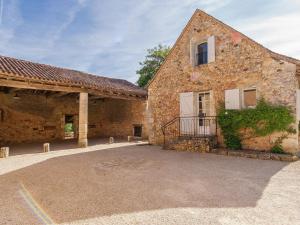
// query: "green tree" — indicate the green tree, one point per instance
point(155, 57)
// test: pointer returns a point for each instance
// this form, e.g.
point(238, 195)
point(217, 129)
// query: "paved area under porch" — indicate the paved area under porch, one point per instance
point(57, 145)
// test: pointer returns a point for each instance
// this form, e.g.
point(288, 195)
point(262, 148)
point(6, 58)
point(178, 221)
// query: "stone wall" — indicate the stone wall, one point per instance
point(116, 118)
point(192, 145)
point(240, 63)
point(40, 118)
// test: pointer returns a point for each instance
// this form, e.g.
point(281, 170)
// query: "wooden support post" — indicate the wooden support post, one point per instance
point(4, 152)
point(83, 120)
point(46, 147)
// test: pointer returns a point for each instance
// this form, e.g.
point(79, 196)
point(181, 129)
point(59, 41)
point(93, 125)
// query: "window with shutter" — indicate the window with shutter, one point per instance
point(202, 54)
point(249, 98)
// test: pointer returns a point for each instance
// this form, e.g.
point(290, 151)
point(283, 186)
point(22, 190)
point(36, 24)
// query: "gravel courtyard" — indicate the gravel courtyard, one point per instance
point(127, 183)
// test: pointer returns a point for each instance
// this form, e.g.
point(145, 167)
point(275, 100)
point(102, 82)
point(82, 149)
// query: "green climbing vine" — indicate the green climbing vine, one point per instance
point(263, 120)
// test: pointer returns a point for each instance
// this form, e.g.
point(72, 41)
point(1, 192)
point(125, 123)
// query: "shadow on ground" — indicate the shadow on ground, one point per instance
point(133, 179)
point(56, 145)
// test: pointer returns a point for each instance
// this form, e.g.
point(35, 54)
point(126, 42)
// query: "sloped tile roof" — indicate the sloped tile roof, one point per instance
point(26, 70)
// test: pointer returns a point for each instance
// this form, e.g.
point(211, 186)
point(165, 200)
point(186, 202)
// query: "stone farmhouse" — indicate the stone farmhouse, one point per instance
point(43, 103)
point(211, 63)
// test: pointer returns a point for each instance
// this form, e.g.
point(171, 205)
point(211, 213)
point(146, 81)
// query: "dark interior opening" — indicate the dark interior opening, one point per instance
point(137, 130)
point(69, 127)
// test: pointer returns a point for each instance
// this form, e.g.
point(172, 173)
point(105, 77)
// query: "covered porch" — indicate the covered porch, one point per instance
point(45, 104)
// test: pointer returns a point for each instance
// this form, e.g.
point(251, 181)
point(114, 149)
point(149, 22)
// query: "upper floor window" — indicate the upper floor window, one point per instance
point(202, 54)
point(202, 51)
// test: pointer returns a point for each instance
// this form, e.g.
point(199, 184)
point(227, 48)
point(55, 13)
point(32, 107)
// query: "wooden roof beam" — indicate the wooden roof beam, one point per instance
point(59, 88)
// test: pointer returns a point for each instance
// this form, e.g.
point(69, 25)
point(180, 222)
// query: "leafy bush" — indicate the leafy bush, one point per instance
point(232, 142)
point(277, 149)
point(261, 121)
point(69, 127)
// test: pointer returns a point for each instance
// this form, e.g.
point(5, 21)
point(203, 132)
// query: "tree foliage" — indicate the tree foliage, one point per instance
point(154, 58)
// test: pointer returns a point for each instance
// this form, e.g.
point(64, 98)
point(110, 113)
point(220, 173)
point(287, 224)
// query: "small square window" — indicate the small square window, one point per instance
point(250, 98)
point(137, 130)
point(202, 55)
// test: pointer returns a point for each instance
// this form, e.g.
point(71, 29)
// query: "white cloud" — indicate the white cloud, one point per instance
point(213, 5)
point(55, 35)
point(122, 31)
point(279, 33)
point(1, 11)
point(111, 37)
point(10, 19)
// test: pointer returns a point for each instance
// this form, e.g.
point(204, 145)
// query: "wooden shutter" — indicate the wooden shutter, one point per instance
point(249, 98)
point(232, 99)
point(193, 53)
point(187, 111)
point(298, 104)
point(211, 49)
point(187, 104)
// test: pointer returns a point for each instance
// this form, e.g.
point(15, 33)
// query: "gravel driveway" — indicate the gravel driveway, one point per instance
point(141, 184)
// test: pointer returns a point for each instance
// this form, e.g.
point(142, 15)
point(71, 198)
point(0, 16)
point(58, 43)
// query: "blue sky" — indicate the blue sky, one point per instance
point(110, 37)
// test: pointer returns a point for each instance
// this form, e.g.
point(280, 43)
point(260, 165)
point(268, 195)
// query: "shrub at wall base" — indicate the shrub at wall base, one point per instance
point(262, 121)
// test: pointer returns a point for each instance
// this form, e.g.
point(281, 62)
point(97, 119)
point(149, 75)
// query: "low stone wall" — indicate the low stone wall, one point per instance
point(191, 145)
point(207, 145)
point(256, 155)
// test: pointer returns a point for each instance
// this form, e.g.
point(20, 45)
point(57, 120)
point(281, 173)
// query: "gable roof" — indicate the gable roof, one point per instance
point(198, 11)
point(23, 70)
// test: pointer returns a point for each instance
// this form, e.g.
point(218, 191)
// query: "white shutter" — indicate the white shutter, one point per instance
point(187, 111)
point(186, 104)
point(232, 99)
point(298, 104)
point(211, 49)
point(192, 53)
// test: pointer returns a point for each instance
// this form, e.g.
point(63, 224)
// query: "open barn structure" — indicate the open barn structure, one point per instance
point(40, 102)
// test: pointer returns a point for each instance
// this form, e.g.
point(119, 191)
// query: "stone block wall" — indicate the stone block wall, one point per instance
point(40, 118)
point(191, 145)
point(240, 63)
point(116, 118)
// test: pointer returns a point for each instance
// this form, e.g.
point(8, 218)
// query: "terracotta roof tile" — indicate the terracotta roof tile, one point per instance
point(24, 70)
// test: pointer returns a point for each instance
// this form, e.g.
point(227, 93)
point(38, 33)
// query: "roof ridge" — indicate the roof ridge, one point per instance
point(28, 70)
point(173, 47)
point(250, 39)
point(62, 68)
point(274, 54)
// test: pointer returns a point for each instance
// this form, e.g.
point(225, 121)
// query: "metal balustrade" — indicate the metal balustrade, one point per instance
point(190, 127)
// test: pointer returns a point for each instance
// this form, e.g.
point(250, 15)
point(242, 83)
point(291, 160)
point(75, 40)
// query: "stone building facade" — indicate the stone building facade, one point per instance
point(34, 118)
point(237, 67)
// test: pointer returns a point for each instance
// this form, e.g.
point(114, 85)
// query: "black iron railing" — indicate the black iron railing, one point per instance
point(194, 126)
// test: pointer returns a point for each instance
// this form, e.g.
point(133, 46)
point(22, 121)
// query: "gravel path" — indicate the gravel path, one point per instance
point(129, 184)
